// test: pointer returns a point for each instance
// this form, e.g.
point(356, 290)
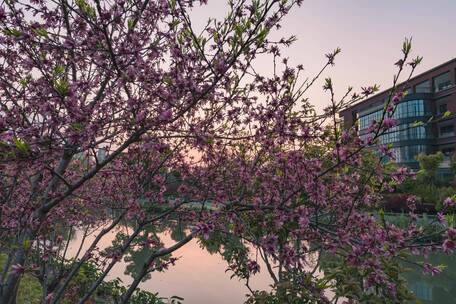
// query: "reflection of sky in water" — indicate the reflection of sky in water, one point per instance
point(200, 277)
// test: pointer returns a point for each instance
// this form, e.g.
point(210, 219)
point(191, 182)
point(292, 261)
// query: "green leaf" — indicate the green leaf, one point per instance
point(25, 81)
point(449, 219)
point(172, 4)
point(85, 8)
point(262, 35)
point(13, 32)
point(77, 126)
point(130, 23)
point(41, 32)
point(441, 267)
point(406, 46)
point(238, 30)
point(59, 70)
point(447, 114)
point(20, 145)
point(61, 86)
point(382, 214)
point(417, 124)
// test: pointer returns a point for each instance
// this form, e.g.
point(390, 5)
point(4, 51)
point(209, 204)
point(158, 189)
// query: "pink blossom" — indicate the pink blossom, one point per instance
point(50, 297)
point(166, 115)
point(448, 202)
point(451, 233)
point(429, 269)
point(141, 116)
point(17, 269)
point(253, 267)
point(448, 246)
point(388, 123)
point(397, 98)
point(441, 218)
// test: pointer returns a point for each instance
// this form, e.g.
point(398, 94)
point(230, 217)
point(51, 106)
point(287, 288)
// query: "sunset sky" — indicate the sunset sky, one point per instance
point(370, 34)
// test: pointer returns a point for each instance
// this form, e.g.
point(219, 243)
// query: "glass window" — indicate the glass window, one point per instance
point(442, 82)
point(412, 108)
point(423, 87)
point(407, 154)
point(403, 133)
point(447, 130)
point(366, 120)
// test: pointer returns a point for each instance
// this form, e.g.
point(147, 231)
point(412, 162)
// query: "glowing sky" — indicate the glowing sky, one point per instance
point(370, 34)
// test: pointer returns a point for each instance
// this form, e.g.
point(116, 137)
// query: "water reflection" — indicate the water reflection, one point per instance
point(199, 276)
point(440, 289)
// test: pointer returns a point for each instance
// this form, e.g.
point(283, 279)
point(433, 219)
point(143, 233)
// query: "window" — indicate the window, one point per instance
point(366, 120)
point(402, 133)
point(446, 130)
point(412, 108)
point(442, 108)
point(442, 82)
point(423, 87)
point(407, 154)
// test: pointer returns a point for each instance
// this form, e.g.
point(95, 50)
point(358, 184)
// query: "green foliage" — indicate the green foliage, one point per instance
point(61, 86)
point(41, 32)
point(108, 292)
point(429, 224)
point(429, 165)
point(13, 32)
point(426, 192)
point(30, 290)
point(295, 288)
point(347, 281)
point(429, 187)
point(86, 9)
point(21, 146)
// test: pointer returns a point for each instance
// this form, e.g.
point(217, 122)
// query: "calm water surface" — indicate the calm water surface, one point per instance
point(199, 277)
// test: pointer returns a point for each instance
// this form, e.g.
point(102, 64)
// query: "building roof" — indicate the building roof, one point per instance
point(411, 80)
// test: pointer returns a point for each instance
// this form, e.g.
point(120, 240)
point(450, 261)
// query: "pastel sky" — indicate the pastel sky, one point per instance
point(370, 33)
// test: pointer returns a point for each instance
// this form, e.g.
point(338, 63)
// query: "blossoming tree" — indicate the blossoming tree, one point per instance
point(103, 103)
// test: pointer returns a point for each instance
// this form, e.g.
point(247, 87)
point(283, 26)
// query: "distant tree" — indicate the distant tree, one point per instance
point(429, 164)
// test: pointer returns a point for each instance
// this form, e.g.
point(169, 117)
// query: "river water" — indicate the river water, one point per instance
point(199, 276)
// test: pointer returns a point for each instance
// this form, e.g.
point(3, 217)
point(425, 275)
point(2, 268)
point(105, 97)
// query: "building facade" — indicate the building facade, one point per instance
point(431, 99)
